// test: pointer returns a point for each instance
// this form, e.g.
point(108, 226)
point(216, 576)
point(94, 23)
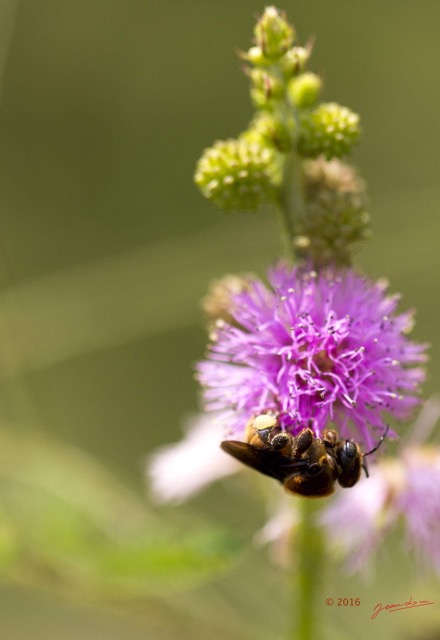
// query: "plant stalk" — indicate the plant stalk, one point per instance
point(309, 550)
point(291, 208)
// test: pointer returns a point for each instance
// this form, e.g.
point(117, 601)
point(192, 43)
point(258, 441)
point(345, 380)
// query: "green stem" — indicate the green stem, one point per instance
point(286, 231)
point(309, 549)
point(291, 207)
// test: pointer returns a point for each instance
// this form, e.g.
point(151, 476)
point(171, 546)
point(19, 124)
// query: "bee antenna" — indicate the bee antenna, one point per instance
point(365, 468)
point(382, 438)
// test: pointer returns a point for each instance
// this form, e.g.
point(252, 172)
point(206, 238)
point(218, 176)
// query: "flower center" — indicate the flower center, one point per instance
point(322, 361)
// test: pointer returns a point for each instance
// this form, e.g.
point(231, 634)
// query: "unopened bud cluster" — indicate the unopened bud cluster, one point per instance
point(218, 303)
point(336, 216)
point(245, 173)
point(236, 175)
point(329, 130)
point(293, 142)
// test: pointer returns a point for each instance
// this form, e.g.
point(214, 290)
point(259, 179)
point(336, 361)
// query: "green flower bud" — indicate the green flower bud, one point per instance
point(255, 56)
point(304, 90)
point(330, 130)
point(237, 175)
point(273, 34)
point(266, 87)
point(266, 129)
point(336, 216)
point(294, 61)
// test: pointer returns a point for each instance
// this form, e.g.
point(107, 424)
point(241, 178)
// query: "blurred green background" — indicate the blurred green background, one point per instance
point(106, 248)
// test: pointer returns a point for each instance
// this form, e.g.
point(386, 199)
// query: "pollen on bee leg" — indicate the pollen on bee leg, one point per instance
point(264, 421)
point(258, 424)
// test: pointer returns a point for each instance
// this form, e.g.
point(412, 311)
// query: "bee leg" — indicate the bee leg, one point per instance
point(330, 438)
point(302, 442)
point(264, 435)
point(280, 441)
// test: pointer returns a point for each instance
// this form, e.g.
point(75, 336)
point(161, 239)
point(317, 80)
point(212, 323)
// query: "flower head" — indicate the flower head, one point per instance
point(336, 216)
point(316, 349)
point(330, 129)
point(236, 175)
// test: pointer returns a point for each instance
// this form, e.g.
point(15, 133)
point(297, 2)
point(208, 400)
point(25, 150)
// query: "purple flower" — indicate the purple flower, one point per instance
point(316, 348)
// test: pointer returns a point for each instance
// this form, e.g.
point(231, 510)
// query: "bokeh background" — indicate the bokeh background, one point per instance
point(106, 248)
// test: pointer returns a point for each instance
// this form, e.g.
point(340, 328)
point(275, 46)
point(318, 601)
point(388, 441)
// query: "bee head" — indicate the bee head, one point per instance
point(350, 461)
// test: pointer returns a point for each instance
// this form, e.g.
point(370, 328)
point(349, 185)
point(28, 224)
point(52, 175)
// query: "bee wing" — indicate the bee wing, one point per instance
point(271, 463)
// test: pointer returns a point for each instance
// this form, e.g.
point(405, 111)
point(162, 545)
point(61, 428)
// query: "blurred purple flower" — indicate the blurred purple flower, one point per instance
point(316, 349)
point(406, 488)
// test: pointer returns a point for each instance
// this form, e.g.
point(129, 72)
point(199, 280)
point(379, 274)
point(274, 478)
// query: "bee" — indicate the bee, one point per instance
point(304, 464)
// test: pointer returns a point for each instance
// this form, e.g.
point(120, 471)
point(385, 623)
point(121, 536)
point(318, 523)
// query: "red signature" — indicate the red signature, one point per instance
point(409, 604)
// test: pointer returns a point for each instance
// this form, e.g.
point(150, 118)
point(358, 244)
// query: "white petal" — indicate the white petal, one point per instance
point(180, 470)
point(278, 531)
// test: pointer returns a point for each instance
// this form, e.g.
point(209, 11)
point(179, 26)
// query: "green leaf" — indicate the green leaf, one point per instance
point(65, 520)
point(159, 562)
